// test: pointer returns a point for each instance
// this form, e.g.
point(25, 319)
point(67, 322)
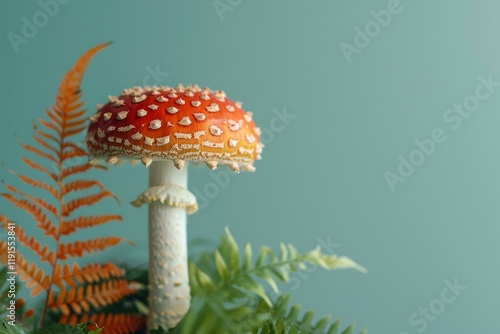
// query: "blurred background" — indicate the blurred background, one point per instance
point(381, 127)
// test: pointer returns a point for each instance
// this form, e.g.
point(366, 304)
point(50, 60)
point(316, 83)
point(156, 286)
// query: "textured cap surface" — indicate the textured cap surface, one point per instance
point(182, 123)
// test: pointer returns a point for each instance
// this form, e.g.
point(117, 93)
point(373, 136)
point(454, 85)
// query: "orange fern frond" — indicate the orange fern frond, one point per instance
point(72, 146)
point(35, 278)
point(46, 135)
point(70, 226)
point(44, 253)
point(72, 170)
point(91, 273)
point(38, 184)
point(71, 154)
point(77, 203)
point(67, 100)
point(69, 288)
point(3, 252)
point(39, 152)
point(78, 248)
point(37, 167)
point(40, 218)
point(111, 323)
point(50, 126)
point(39, 202)
point(80, 185)
point(79, 299)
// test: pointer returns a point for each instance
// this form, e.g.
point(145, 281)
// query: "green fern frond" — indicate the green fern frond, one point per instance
point(285, 317)
point(228, 286)
point(7, 327)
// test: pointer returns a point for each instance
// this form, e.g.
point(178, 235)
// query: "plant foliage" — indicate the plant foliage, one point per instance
point(70, 289)
point(233, 292)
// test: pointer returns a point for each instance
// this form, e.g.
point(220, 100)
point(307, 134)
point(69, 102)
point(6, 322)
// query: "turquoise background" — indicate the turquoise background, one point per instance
point(322, 175)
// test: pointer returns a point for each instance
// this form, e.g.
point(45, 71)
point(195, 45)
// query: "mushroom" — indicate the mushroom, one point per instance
point(165, 128)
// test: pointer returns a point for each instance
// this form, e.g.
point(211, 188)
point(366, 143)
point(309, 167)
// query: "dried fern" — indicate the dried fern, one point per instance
point(69, 289)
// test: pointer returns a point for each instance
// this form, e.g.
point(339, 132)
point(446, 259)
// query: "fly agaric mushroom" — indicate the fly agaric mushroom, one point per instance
point(164, 128)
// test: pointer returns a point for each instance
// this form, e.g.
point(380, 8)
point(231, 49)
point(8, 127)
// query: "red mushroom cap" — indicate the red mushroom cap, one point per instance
point(182, 123)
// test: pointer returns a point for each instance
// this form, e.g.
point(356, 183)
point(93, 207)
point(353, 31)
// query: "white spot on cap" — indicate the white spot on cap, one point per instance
point(126, 142)
point(155, 124)
point(148, 141)
point(111, 160)
point(169, 124)
point(172, 110)
point(188, 93)
point(230, 108)
point(180, 102)
point(204, 96)
point(126, 128)
point(118, 140)
point(215, 130)
point(161, 99)
point(98, 106)
point(180, 135)
point(199, 116)
point(107, 116)
point(233, 125)
point(211, 144)
point(172, 95)
point(211, 164)
point(156, 92)
point(162, 141)
point(95, 117)
point(118, 103)
point(248, 116)
point(141, 113)
point(186, 146)
point(250, 138)
point(136, 147)
point(111, 139)
point(100, 133)
point(140, 98)
point(257, 131)
point(153, 106)
point(250, 168)
point(185, 121)
point(243, 150)
point(232, 142)
point(112, 98)
point(122, 115)
point(220, 95)
point(214, 107)
point(195, 103)
point(234, 167)
point(111, 128)
point(199, 133)
point(136, 136)
point(238, 104)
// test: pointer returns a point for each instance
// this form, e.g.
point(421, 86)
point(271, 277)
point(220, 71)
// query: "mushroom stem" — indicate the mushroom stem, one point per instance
point(169, 293)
